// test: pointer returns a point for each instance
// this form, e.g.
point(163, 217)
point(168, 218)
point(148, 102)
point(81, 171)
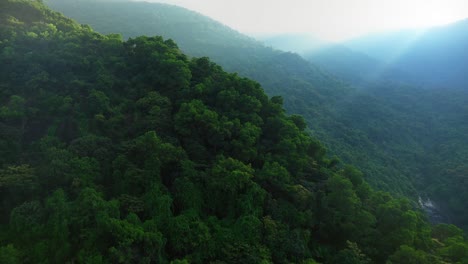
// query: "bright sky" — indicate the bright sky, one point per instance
point(331, 20)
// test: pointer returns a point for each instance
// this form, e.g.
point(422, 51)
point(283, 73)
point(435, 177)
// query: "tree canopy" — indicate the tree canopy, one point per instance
point(130, 152)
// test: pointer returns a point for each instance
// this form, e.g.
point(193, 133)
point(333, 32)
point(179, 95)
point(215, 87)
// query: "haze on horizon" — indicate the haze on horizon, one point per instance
point(329, 20)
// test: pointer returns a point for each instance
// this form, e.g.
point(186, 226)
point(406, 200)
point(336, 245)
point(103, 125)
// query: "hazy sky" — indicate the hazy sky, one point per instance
point(327, 19)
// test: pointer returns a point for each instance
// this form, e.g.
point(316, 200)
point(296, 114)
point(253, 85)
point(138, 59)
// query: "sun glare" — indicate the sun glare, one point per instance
point(331, 20)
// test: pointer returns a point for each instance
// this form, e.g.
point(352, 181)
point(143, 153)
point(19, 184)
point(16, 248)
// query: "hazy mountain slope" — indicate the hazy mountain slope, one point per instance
point(383, 46)
point(355, 67)
point(195, 34)
point(279, 72)
point(299, 43)
point(424, 132)
point(436, 56)
point(149, 18)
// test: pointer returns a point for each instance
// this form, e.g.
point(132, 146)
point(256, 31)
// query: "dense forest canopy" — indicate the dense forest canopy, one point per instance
point(306, 89)
point(405, 138)
point(129, 152)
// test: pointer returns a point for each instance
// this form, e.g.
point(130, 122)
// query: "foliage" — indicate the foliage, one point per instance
point(130, 152)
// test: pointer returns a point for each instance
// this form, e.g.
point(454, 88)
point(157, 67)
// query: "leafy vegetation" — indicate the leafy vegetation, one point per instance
point(127, 151)
point(406, 139)
point(420, 131)
point(305, 88)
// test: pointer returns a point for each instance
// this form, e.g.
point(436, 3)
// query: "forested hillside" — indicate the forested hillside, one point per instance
point(305, 88)
point(129, 152)
point(422, 129)
point(405, 139)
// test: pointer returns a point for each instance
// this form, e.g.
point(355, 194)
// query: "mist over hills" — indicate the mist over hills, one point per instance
point(437, 56)
point(431, 58)
point(356, 67)
point(422, 74)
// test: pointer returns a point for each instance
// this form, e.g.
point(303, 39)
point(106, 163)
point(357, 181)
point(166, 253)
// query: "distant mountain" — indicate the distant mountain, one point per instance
point(438, 56)
point(356, 67)
point(383, 46)
point(293, 42)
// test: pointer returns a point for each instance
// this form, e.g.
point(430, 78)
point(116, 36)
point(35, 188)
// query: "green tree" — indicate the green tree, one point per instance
point(9, 254)
point(409, 255)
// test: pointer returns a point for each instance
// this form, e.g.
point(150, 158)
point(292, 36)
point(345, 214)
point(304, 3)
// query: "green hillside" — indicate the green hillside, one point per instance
point(405, 138)
point(422, 130)
point(129, 152)
point(306, 89)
